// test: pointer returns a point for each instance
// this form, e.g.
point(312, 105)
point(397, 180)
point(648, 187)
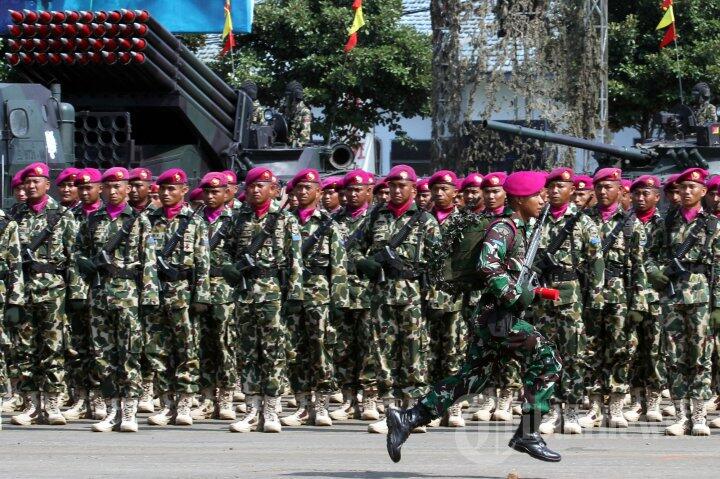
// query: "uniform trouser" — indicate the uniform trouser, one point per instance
point(647, 368)
point(563, 326)
point(261, 347)
point(171, 349)
point(541, 368)
point(607, 350)
point(40, 349)
point(12, 323)
point(715, 339)
point(218, 363)
point(688, 351)
point(80, 367)
point(448, 343)
point(352, 327)
point(402, 350)
point(117, 340)
point(312, 340)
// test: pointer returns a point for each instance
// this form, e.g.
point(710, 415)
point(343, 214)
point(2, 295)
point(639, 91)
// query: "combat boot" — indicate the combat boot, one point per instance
point(79, 408)
point(570, 424)
point(681, 426)
point(225, 405)
point(484, 412)
point(594, 416)
point(711, 404)
point(616, 411)
point(12, 403)
point(183, 417)
point(380, 427)
point(551, 421)
point(653, 406)
point(271, 422)
point(251, 419)
point(527, 439)
point(400, 422)
point(322, 417)
point(52, 409)
point(238, 395)
point(111, 418)
point(347, 409)
point(165, 415)
point(301, 415)
point(370, 411)
point(715, 423)
point(97, 405)
point(129, 416)
point(669, 410)
point(206, 407)
point(455, 417)
point(635, 410)
point(336, 398)
point(503, 411)
point(145, 404)
point(31, 413)
point(699, 419)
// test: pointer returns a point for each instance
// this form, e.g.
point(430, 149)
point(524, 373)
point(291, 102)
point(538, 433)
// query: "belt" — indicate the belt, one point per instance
point(562, 275)
point(216, 271)
point(46, 268)
point(408, 274)
point(113, 272)
point(614, 272)
point(258, 273)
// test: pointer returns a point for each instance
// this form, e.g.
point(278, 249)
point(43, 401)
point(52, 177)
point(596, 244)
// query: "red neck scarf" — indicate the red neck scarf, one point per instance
point(442, 214)
point(305, 214)
point(213, 214)
point(398, 211)
point(717, 214)
point(172, 211)
point(39, 205)
point(606, 212)
point(558, 211)
point(140, 207)
point(115, 210)
point(690, 214)
point(358, 212)
point(261, 210)
point(90, 209)
point(498, 211)
point(645, 217)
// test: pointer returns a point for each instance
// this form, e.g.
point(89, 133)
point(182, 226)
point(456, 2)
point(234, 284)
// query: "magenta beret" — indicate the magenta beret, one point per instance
point(231, 177)
point(196, 194)
point(382, 183)
point(87, 176)
point(443, 176)
point(672, 179)
point(333, 183)
point(626, 184)
point(358, 177)
point(423, 184)
point(17, 180)
point(116, 173)
point(561, 174)
point(259, 173)
point(472, 180)
point(142, 174)
point(714, 183)
point(496, 178)
point(214, 180)
point(68, 174)
point(524, 183)
point(607, 174)
point(645, 181)
point(308, 175)
point(698, 175)
point(173, 176)
point(583, 182)
point(36, 169)
point(401, 172)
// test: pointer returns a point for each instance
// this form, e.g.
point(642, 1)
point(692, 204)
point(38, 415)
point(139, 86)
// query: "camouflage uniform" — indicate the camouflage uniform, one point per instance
point(41, 331)
point(499, 264)
point(171, 337)
point(706, 113)
point(218, 364)
point(312, 336)
point(117, 293)
point(12, 294)
point(258, 114)
point(608, 344)
point(261, 333)
point(299, 120)
point(561, 321)
point(687, 344)
point(401, 355)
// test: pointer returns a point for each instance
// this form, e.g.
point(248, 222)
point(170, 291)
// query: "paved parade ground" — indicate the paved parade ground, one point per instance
point(345, 451)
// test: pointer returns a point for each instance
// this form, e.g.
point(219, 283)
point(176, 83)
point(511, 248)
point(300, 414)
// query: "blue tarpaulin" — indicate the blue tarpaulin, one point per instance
point(178, 16)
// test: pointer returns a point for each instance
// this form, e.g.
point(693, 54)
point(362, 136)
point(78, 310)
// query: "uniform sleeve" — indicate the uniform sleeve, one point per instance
point(654, 251)
point(639, 280)
point(491, 264)
point(77, 288)
point(339, 294)
point(294, 258)
point(594, 264)
point(360, 241)
point(201, 262)
point(715, 286)
point(13, 263)
point(150, 294)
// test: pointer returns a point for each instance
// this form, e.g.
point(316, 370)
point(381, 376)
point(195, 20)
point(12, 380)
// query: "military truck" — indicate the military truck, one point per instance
point(132, 95)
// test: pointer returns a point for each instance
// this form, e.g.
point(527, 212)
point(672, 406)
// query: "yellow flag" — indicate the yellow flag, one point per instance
point(667, 19)
point(358, 21)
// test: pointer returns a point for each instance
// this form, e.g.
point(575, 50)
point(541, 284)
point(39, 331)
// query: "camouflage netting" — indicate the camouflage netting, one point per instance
point(548, 59)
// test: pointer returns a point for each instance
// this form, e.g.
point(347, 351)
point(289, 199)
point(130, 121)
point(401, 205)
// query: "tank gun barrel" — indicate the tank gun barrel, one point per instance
point(635, 154)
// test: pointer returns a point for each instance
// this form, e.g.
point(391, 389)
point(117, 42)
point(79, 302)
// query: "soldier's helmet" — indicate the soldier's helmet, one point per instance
point(701, 90)
point(250, 87)
point(294, 90)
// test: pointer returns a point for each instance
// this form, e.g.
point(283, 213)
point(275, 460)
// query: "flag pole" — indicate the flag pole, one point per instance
point(679, 72)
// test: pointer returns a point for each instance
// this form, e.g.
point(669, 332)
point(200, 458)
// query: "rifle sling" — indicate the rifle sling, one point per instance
point(313, 239)
point(114, 242)
point(264, 234)
point(405, 231)
point(39, 239)
point(219, 234)
point(175, 239)
point(610, 239)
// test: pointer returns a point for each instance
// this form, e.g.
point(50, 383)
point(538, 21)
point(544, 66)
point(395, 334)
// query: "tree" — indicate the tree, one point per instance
point(386, 77)
point(643, 78)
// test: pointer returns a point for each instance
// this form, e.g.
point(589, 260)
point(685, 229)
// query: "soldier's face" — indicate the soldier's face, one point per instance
point(691, 193)
point(214, 198)
point(672, 195)
point(423, 200)
point(230, 193)
point(713, 199)
point(307, 193)
point(19, 194)
point(401, 191)
point(258, 193)
point(90, 193)
point(171, 195)
point(473, 197)
point(330, 199)
point(443, 195)
point(117, 192)
point(36, 187)
point(68, 193)
point(560, 192)
point(583, 197)
point(607, 192)
point(494, 197)
point(357, 196)
point(645, 199)
point(139, 192)
point(625, 199)
point(382, 195)
point(530, 206)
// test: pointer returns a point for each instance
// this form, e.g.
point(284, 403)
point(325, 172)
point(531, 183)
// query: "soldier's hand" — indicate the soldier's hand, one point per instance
point(658, 279)
point(75, 305)
point(368, 268)
point(199, 308)
point(522, 340)
point(715, 318)
point(526, 298)
point(86, 267)
point(635, 316)
point(231, 274)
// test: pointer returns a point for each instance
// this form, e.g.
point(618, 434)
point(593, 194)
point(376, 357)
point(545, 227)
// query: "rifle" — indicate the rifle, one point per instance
point(28, 253)
point(547, 262)
point(167, 272)
point(675, 270)
point(387, 256)
point(103, 259)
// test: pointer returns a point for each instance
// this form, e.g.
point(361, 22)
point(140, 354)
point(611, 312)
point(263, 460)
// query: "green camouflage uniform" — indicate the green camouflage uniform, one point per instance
point(706, 113)
point(500, 262)
point(608, 342)
point(12, 294)
point(171, 337)
point(561, 321)
point(258, 114)
point(261, 334)
point(115, 299)
point(218, 364)
point(312, 336)
point(402, 348)
point(41, 340)
point(299, 120)
point(688, 346)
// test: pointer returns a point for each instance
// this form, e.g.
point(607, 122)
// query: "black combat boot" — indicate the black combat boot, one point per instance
point(527, 439)
point(400, 422)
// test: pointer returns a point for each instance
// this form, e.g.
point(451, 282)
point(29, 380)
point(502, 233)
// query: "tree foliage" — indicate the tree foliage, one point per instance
point(386, 77)
point(643, 78)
